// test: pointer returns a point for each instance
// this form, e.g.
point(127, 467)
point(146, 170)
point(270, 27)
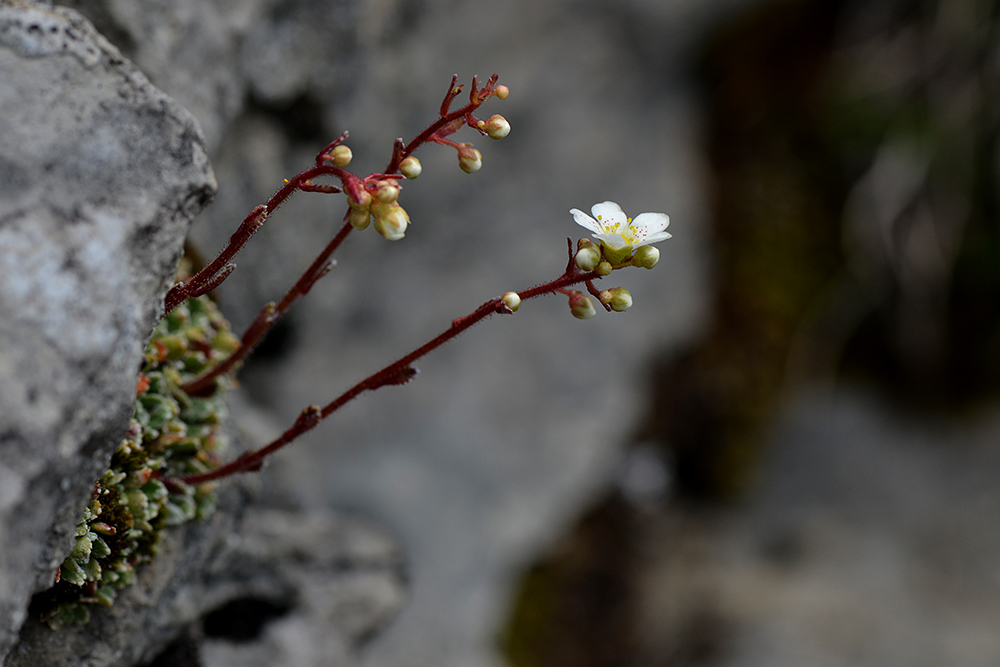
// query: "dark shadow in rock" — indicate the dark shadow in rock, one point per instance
point(182, 652)
point(243, 619)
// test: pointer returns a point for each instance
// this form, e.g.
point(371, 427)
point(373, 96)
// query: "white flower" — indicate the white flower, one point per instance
point(619, 233)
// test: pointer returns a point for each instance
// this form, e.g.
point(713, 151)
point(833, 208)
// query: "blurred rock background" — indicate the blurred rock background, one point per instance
point(782, 454)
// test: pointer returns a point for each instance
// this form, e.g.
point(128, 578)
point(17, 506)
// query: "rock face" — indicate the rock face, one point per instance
point(269, 587)
point(100, 177)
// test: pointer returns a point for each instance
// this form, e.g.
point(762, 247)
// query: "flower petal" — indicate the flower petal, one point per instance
point(613, 241)
point(608, 213)
point(585, 220)
point(652, 238)
point(659, 236)
point(651, 222)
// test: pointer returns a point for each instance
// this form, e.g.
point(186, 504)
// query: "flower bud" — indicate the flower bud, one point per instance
point(588, 258)
point(362, 203)
point(581, 306)
point(388, 191)
point(512, 300)
point(646, 256)
point(501, 91)
point(392, 225)
point(603, 269)
point(497, 127)
point(341, 155)
point(469, 159)
point(410, 167)
point(620, 300)
point(359, 218)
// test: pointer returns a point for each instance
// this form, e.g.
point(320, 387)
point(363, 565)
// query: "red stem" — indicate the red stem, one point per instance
point(212, 275)
point(189, 288)
point(395, 373)
point(268, 315)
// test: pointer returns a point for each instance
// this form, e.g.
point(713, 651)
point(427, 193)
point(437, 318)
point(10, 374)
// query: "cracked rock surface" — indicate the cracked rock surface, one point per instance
point(100, 177)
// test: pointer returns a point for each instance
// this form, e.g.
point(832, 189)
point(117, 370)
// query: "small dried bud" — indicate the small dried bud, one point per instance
point(646, 256)
point(359, 218)
point(581, 306)
point(587, 258)
point(388, 191)
point(469, 159)
point(341, 155)
point(502, 92)
point(497, 127)
point(410, 167)
point(512, 300)
point(620, 300)
point(604, 268)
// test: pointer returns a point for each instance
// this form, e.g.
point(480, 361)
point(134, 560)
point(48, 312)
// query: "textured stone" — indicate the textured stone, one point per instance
point(100, 177)
point(328, 581)
point(214, 55)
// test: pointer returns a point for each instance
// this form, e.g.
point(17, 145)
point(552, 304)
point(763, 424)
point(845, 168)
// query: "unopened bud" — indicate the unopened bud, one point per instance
point(469, 159)
point(341, 155)
point(392, 225)
point(359, 218)
point(620, 300)
point(512, 300)
point(502, 92)
point(497, 127)
point(581, 306)
point(410, 167)
point(363, 201)
point(646, 256)
point(603, 269)
point(588, 258)
point(388, 191)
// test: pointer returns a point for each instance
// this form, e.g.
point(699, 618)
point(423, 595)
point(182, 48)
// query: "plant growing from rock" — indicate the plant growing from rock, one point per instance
point(165, 468)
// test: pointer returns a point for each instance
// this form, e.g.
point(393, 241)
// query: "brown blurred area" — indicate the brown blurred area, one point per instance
point(853, 153)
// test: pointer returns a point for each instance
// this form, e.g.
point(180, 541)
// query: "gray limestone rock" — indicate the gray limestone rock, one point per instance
point(286, 588)
point(212, 56)
point(100, 177)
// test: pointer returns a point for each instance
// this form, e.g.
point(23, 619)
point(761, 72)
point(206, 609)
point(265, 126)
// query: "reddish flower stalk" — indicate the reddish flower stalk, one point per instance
point(211, 276)
point(267, 316)
point(398, 372)
point(219, 269)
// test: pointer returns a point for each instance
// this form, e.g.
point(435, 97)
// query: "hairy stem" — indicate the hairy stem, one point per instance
point(397, 372)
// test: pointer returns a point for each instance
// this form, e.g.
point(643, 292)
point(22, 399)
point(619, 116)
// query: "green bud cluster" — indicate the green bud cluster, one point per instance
point(170, 435)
